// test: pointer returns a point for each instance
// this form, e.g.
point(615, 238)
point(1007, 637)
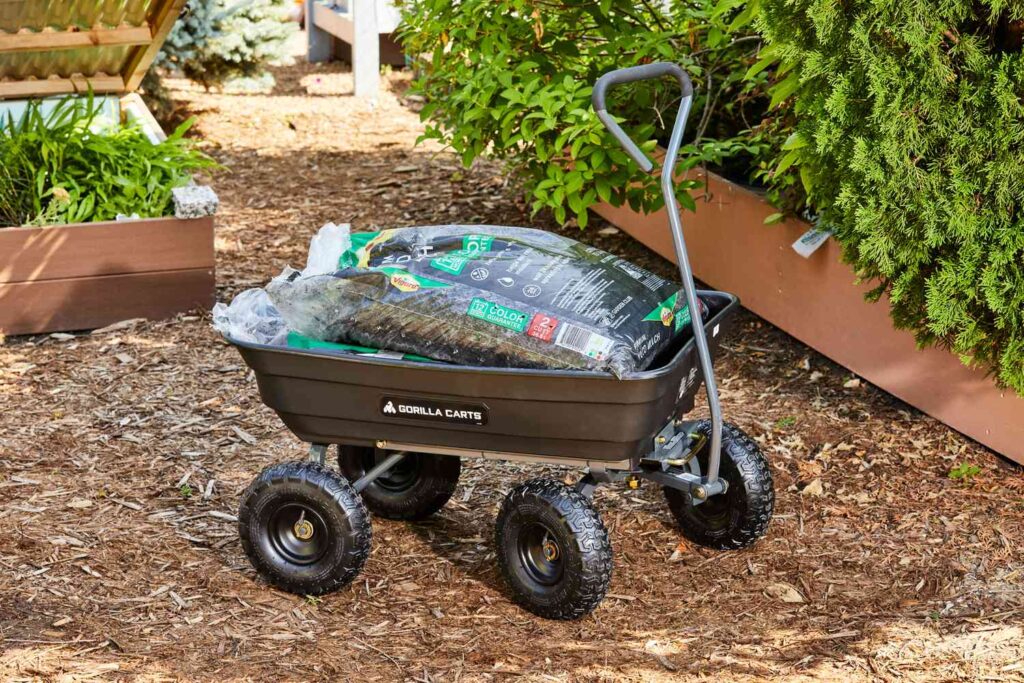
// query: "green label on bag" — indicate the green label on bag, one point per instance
point(451, 263)
point(497, 314)
point(476, 244)
point(454, 262)
point(666, 314)
point(356, 254)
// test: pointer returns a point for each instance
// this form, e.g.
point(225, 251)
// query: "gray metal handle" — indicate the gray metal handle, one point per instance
point(668, 168)
point(632, 74)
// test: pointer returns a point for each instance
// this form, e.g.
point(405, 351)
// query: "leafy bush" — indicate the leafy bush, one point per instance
point(68, 167)
point(910, 143)
point(215, 40)
point(511, 80)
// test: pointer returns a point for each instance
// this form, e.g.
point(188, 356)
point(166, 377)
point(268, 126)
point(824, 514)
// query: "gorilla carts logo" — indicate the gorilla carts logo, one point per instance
point(435, 411)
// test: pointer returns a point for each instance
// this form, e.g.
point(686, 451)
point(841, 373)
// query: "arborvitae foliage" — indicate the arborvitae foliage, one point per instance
point(215, 40)
point(910, 143)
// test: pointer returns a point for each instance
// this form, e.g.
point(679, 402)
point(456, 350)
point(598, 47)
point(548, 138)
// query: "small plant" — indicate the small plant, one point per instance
point(58, 201)
point(185, 491)
point(16, 176)
point(72, 166)
point(785, 422)
point(964, 472)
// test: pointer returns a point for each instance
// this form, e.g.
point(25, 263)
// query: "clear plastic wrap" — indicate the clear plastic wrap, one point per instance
point(251, 317)
point(326, 248)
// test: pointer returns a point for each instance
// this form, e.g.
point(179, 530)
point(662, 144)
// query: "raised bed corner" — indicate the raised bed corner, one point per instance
point(817, 301)
point(73, 277)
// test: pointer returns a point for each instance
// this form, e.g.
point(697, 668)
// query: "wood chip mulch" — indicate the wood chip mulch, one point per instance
point(123, 453)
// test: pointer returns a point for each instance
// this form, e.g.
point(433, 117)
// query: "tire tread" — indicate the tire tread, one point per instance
point(753, 473)
point(591, 538)
point(330, 484)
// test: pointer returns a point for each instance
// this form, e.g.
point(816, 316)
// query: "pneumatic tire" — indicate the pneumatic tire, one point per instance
point(740, 516)
point(415, 488)
point(553, 550)
point(304, 528)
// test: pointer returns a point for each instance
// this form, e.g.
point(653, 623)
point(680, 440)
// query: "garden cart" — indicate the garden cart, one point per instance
point(401, 428)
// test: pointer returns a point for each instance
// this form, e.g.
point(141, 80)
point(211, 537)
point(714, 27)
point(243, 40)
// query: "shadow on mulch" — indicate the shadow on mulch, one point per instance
point(447, 534)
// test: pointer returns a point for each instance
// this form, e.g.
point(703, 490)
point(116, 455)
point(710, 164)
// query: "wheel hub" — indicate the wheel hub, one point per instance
point(303, 530)
point(298, 533)
point(540, 554)
point(400, 478)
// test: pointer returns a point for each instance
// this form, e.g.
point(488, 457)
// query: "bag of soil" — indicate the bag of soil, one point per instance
point(488, 296)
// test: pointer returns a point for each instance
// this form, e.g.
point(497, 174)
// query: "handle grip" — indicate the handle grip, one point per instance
point(632, 74)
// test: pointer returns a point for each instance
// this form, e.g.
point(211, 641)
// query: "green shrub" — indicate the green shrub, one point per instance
point(511, 80)
point(67, 166)
point(910, 143)
point(215, 40)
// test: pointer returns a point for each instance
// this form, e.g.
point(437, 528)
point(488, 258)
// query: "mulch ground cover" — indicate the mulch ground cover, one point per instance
point(123, 453)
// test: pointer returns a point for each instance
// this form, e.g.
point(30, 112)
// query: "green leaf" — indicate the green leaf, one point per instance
point(807, 180)
point(750, 10)
point(787, 160)
point(783, 90)
point(759, 66)
point(794, 141)
point(582, 217)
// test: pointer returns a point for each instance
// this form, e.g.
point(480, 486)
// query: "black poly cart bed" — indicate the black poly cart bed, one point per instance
point(338, 398)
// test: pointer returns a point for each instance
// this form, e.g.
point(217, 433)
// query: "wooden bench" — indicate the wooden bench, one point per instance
point(357, 31)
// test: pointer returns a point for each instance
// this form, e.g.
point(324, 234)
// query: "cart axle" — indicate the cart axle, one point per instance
point(671, 463)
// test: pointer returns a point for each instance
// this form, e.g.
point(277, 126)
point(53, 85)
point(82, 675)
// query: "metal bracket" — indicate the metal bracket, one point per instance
point(699, 488)
point(587, 485)
point(318, 453)
point(671, 463)
point(599, 474)
point(669, 448)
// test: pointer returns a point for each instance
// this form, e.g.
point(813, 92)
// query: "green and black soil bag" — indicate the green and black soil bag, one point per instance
point(488, 296)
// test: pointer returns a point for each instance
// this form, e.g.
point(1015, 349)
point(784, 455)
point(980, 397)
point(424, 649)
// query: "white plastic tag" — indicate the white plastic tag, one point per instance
point(810, 241)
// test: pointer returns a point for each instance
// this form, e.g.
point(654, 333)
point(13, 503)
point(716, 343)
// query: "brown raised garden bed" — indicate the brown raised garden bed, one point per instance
point(72, 277)
point(818, 301)
point(80, 276)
